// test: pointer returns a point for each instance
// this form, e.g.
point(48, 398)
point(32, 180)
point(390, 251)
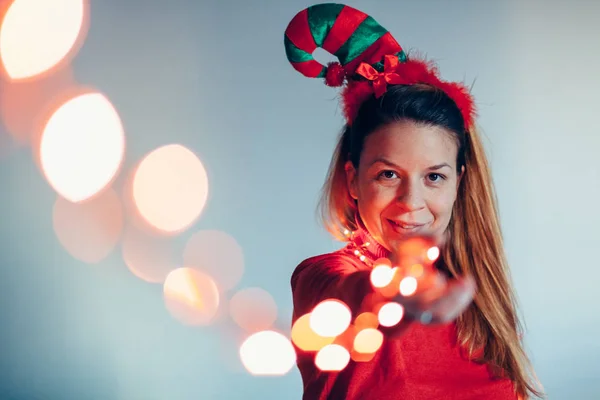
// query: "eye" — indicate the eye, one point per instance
point(387, 174)
point(436, 177)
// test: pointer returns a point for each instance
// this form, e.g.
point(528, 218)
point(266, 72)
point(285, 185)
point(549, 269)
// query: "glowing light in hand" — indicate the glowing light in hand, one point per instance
point(332, 357)
point(368, 341)
point(390, 314)
point(408, 286)
point(330, 318)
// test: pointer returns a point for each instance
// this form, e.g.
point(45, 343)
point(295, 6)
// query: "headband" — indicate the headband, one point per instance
point(369, 58)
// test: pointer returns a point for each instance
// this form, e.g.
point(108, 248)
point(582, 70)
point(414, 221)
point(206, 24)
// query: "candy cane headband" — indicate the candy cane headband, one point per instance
point(369, 58)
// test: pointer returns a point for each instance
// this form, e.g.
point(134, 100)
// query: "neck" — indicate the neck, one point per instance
point(363, 245)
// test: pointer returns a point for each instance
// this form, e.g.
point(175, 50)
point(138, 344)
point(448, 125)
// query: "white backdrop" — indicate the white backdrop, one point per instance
point(213, 75)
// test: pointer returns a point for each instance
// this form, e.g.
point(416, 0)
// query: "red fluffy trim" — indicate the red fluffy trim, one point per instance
point(463, 99)
point(353, 96)
point(335, 75)
point(412, 72)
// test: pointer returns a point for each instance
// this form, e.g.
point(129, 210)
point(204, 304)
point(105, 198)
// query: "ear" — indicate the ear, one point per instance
point(351, 177)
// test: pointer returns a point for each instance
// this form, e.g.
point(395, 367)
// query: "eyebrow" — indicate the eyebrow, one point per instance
point(439, 166)
point(391, 164)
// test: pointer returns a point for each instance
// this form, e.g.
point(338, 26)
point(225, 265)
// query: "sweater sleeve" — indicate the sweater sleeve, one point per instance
point(330, 276)
point(314, 280)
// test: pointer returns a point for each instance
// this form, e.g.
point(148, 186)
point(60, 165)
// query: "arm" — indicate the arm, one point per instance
point(314, 280)
point(338, 276)
point(329, 276)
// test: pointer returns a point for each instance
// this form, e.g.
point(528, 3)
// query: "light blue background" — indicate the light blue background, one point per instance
point(212, 75)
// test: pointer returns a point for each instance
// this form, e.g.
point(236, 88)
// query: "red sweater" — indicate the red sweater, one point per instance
point(424, 363)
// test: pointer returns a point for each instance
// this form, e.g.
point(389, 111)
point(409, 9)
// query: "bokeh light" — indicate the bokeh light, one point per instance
point(82, 147)
point(253, 309)
point(170, 188)
point(433, 253)
point(390, 314)
point(368, 341)
point(382, 261)
point(217, 253)
point(36, 35)
point(414, 250)
point(416, 270)
point(26, 106)
point(305, 338)
point(382, 275)
point(330, 318)
point(361, 357)
point(132, 214)
point(408, 286)
point(147, 256)
point(191, 296)
point(366, 320)
point(332, 357)
point(89, 231)
point(267, 353)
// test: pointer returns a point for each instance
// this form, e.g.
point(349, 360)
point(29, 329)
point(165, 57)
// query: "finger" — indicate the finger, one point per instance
point(429, 287)
point(430, 284)
point(454, 302)
point(446, 306)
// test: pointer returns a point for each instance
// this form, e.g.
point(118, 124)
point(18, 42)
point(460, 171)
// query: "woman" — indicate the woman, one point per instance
point(409, 164)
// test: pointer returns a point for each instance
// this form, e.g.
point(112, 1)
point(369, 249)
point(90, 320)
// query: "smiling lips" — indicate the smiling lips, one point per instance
point(405, 227)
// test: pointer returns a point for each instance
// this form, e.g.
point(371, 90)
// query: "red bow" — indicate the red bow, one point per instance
point(381, 79)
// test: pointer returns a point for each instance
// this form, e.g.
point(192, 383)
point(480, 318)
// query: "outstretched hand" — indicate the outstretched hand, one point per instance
point(441, 302)
point(425, 293)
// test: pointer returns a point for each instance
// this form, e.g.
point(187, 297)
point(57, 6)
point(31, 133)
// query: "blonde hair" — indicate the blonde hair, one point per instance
point(475, 247)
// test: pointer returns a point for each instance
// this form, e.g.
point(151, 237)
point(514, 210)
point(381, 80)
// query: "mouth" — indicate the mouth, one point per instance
point(405, 227)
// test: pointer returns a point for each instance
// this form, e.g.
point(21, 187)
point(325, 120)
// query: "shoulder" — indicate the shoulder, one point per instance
point(324, 276)
point(339, 262)
point(341, 256)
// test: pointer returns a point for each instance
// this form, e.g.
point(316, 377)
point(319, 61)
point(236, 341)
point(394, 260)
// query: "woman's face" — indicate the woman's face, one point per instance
point(406, 182)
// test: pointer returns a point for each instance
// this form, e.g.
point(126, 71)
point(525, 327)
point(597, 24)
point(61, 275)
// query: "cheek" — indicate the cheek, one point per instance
point(442, 203)
point(375, 198)
point(373, 201)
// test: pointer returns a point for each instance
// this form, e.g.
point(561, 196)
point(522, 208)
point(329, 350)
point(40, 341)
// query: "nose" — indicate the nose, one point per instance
point(410, 196)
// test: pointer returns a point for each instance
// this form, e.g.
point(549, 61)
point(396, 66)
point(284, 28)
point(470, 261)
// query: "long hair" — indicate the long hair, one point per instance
point(490, 328)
